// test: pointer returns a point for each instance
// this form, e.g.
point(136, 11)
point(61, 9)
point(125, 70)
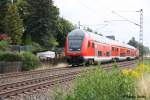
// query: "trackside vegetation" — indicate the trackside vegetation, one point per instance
point(28, 59)
point(99, 84)
point(116, 84)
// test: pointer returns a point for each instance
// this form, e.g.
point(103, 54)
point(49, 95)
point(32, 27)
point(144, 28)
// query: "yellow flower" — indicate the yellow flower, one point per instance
point(138, 72)
point(135, 74)
point(126, 71)
point(142, 68)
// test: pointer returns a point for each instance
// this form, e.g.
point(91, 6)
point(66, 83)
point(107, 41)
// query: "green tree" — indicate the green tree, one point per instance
point(25, 15)
point(3, 10)
point(13, 24)
point(41, 22)
point(133, 42)
point(23, 10)
point(143, 50)
point(64, 26)
point(89, 29)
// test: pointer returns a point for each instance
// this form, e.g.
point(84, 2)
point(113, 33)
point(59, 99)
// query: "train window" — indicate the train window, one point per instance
point(107, 53)
point(92, 45)
point(128, 51)
point(113, 49)
point(99, 53)
point(88, 44)
point(122, 54)
point(116, 49)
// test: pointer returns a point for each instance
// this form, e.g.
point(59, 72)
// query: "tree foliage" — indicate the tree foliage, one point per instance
point(23, 10)
point(38, 18)
point(63, 27)
point(88, 29)
point(3, 10)
point(142, 49)
point(133, 42)
point(42, 20)
point(13, 25)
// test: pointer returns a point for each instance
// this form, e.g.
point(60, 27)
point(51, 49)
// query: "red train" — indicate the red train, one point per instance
point(86, 47)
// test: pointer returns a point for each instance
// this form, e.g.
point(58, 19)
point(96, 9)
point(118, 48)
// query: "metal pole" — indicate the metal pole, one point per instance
point(141, 33)
point(79, 24)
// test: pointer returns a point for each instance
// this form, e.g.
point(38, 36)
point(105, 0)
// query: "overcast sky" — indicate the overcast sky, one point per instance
point(95, 12)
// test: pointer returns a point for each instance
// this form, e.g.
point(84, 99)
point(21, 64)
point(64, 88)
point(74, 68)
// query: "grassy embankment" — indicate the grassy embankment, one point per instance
point(127, 84)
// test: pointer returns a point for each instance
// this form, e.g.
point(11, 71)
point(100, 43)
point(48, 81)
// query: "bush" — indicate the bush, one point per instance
point(3, 45)
point(101, 85)
point(36, 47)
point(7, 56)
point(30, 61)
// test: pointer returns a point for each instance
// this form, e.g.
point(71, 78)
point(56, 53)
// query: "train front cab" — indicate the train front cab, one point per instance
point(75, 60)
point(74, 47)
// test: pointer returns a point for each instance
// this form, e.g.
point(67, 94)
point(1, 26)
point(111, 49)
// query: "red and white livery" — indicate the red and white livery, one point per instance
point(86, 47)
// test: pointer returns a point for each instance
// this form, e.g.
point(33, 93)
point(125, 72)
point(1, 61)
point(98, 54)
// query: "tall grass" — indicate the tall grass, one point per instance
point(99, 84)
point(141, 74)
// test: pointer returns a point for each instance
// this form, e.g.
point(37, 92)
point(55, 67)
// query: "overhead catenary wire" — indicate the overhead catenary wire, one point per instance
point(85, 6)
point(140, 25)
point(100, 26)
point(92, 11)
point(125, 18)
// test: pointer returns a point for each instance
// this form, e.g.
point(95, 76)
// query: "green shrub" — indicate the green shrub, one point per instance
point(30, 61)
point(3, 45)
point(36, 47)
point(8, 56)
point(101, 85)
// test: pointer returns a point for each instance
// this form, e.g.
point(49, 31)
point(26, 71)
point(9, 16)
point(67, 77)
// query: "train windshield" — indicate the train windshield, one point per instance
point(75, 40)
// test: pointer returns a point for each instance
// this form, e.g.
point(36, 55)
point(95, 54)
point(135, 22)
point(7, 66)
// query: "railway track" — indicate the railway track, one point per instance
point(14, 74)
point(33, 84)
point(32, 74)
point(12, 77)
point(28, 74)
point(25, 73)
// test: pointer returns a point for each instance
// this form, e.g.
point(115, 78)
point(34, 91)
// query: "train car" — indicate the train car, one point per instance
point(88, 48)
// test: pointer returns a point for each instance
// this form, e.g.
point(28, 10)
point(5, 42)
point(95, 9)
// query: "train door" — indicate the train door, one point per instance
point(93, 48)
point(96, 52)
point(114, 51)
point(90, 49)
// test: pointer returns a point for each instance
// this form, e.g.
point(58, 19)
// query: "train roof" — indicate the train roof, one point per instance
point(102, 39)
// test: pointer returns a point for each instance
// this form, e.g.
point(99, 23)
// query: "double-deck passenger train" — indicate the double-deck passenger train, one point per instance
point(88, 48)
